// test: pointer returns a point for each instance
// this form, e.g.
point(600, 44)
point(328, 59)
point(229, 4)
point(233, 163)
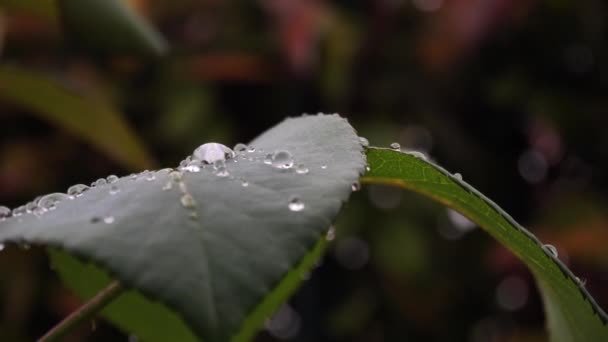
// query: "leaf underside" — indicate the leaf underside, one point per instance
point(572, 313)
point(223, 262)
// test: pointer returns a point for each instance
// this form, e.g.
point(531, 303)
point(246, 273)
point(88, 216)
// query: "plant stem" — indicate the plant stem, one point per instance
point(85, 312)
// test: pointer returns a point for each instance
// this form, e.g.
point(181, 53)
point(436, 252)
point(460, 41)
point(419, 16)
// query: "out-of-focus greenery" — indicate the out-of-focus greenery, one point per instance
point(509, 93)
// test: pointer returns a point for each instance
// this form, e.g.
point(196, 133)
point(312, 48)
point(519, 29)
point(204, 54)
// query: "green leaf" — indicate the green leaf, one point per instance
point(572, 314)
point(221, 255)
point(86, 118)
point(110, 26)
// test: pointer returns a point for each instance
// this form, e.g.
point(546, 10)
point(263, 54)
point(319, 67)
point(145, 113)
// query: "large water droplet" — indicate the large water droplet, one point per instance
point(50, 201)
point(551, 249)
point(282, 160)
point(5, 212)
point(112, 179)
point(301, 169)
point(77, 190)
point(108, 219)
point(296, 204)
point(395, 146)
point(364, 141)
point(211, 152)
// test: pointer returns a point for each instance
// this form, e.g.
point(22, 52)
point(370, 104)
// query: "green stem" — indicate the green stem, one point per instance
point(85, 312)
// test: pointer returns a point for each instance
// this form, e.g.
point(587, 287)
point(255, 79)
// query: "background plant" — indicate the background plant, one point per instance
point(514, 112)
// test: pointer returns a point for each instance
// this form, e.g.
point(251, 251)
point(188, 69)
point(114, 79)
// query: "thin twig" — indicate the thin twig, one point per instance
point(85, 312)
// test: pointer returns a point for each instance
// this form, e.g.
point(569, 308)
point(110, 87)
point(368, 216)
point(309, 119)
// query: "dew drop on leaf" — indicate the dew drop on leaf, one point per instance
point(114, 190)
point(301, 169)
point(19, 211)
point(324, 166)
point(281, 160)
point(108, 219)
point(99, 182)
point(296, 204)
point(209, 153)
point(458, 176)
point(551, 249)
point(395, 146)
point(5, 212)
point(77, 190)
point(50, 201)
point(222, 172)
point(245, 183)
point(356, 186)
point(111, 179)
point(240, 148)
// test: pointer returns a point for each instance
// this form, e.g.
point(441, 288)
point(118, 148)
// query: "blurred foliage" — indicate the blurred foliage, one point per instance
point(496, 90)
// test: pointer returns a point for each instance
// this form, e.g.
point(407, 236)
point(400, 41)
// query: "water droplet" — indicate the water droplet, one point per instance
point(356, 186)
point(114, 190)
point(222, 172)
point(31, 206)
point(551, 249)
point(1, 246)
point(192, 167)
point(150, 176)
point(112, 179)
point(324, 166)
point(281, 160)
point(50, 201)
point(268, 159)
point(368, 168)
point(331, 233)
point(364, 141)
point(99, 182)
point(211, 152)
point(19, 211)
point(240, 148)
point(301, 169)
point(108, 219)
point(417, 154)
point(457, 176)
point(251, 149)
point(168, 186)
point(77, 190)
point(39, 211)
point(187, 201)
point(296, 204)
point(5, 212)
point(245, 183)
point(395, 146)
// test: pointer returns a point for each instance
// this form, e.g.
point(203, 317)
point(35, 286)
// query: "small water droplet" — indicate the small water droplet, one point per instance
point(50, 201)
point(150, 176)
point(368, 168)
point(281, 160)
point(111, 179)
point(551, 249)
point(77, 190)
point(108, 219)
point(240, 148)
point(301, 169)
point(296, 204)
point(211, 152)
point(5, 213)
point(356, 186)
point(331, 233)
point(168, 186)
point(364, 142)
point(268, 159)
point(192, 167)
point(458, 176)
point(187, 201)
point(99, 182)
point(222, 172)
point(395, 146)
point(114, 190)
point(31, 206)
point(251, 149)
point(324, 166)
point(39, 211)
point(245, 183)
